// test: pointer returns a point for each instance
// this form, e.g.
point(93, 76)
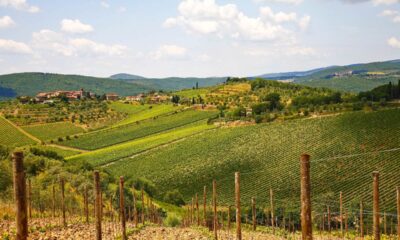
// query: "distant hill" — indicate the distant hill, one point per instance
point(29, 84)
point(126, 76)
point(354, 78)
point(176, 83)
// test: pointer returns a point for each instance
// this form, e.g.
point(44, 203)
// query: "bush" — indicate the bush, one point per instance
point(147, 186)
point(172, 220)
point(174, 197)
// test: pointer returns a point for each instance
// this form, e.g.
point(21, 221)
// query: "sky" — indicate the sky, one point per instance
point(196, 38)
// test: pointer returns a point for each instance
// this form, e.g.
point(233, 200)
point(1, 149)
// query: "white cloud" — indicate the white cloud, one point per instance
point(394, 42)
point(21, 5)
point(58, 43)
point(169, 52)
point(385, 2)
point(280, 50)
point(393, 14)
point(122, 9)
point(75, 26)
point(104, 4)
point(11, 46)
point(295, 2)
point(207, 17)
point(6, 22)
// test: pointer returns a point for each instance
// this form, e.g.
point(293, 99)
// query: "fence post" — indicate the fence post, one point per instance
point(98, 203)
point(29, 198)
point(197, 209)
point(229, 218)
point(398, 213)
point(215, 209)
point(341, 213)
point(205, 205)
point(86, 204)
point(142, 192)
point(122, 207)
point(306, 221)
point(53, 212)
point(253, 208)
point(271, 199)
point(191, 211)
point(20, 196)
point(361, 220)
point(329, 219)
point(377, 234)
point(62, 185)
point(237, 202)
point(135, 215)
point(384, 223)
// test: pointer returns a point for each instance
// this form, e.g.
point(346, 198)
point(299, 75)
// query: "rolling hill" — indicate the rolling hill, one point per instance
point(29, 84)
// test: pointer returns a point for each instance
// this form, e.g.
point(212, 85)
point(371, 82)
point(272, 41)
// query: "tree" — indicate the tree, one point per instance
point(273, 99)
point(174, 197)
point(260, 108)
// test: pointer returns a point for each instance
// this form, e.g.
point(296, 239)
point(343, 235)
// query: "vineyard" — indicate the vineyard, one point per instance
point(61, 129)
point(128, 132)
point(11, 136)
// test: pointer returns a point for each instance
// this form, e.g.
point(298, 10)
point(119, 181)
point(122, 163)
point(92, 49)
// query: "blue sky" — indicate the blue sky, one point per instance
point(160, 38)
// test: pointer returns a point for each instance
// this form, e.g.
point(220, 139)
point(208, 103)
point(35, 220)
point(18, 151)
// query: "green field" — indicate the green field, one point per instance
point(52, 131)
point(62, 152)
point(114, 153)
point(345, 149)
point(124, 133)
point(11, 137)
point(142, 112)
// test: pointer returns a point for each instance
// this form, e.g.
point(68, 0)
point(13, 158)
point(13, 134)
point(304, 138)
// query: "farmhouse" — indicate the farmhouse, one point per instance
point(137, 98)
point(112, 97)
point(70, 95)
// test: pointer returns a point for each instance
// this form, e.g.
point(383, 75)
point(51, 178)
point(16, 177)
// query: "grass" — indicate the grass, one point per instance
point(143, 112)
point(114, 153)
point(128, 108)
point(190, 93)
point(11, 136)
point(129, 132)
point(62, 152)
point(267, 155)
point(46, 132)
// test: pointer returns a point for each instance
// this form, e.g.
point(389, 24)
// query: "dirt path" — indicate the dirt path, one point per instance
point(68, 148)
point(164, 233)
point(22, 130)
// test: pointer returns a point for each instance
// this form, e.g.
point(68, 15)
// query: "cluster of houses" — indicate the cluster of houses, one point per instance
point(46, 97)
point(49, 97)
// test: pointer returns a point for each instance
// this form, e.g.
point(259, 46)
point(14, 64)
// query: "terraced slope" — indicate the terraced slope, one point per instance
point(51, 131)
point(125, 133)
point(10, 136)
point(345, 149)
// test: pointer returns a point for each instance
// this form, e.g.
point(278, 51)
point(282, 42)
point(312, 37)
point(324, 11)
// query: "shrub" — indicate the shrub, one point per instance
point(60, 139)
point(174, 197)
point(172, 220)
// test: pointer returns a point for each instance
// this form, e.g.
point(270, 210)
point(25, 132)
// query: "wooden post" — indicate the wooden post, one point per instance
point(86, 204)
point(398, 213)
point(341, 213)
point(135, 215)
point(142, 192)
point(306, 221)
point(271, 199)
point(30, 198)
point(53, 212)
point(98, 204)
point(361, 220)
point(122, 207)
point(20, 196)
point(329, 219)
point(205, 205)
point(229, 218)
point(253, 208)
point(191, 212)
point(237, 203)
point(215, 209)
point(197, 209)
point(62, 185)
point(384, 223)
point(377, 234)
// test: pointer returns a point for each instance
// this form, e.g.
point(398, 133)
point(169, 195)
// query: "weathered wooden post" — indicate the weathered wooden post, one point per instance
point(306, 221)
point(329, 219)
point(20, 196)
point(86, 205)
point(135, 215)
point(271, 199)
point(30, 198)
point(341, 213)
point(197, 209)
point(98, 204)
point(62, 185)
point(215, 209)
point(253, 208)
point(191, 211)
point(53, 212)
point(376, 216)
point(229, 218)
point(361, 220)
point(205, 205)
point(143, 207)
point(237, 203)
point(122, 207)
point(398, 213)
point(384, 223)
